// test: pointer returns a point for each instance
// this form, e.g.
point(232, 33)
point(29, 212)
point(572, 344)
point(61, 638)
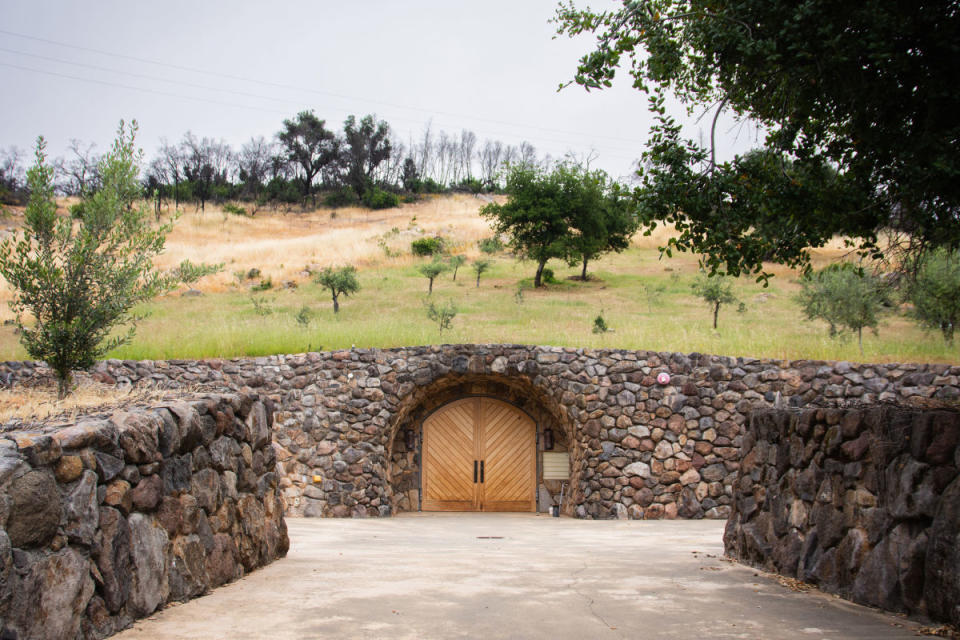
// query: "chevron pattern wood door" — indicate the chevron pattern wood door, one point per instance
point(449, 451)
point(479, 454)
point(509, 450)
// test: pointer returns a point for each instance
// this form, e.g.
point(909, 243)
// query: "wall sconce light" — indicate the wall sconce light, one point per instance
point(547, 439)
point(410, 438)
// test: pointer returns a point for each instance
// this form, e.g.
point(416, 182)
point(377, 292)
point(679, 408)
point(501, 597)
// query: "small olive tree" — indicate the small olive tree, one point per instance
point(480, 267)
point(715, 291)
point(431, 270)
point(935, 293)
point(455, 263)
point(845, 297)
point(442, 314)
point(75, 281)
point(340, 281)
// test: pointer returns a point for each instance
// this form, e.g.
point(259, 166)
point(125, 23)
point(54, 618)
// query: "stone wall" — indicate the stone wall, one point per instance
point(638, 449)
point(108, 519)
point(864, 503)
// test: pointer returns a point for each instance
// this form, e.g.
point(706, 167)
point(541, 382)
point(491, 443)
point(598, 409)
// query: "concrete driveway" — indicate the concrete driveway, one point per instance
point(511, 576)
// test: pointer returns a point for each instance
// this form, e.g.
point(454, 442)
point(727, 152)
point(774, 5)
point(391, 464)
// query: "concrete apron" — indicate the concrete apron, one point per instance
point(511, 576)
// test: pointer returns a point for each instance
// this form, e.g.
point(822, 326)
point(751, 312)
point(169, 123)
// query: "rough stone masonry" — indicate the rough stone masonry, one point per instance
point(638, 449)
point(107, 519)
point(862, 502)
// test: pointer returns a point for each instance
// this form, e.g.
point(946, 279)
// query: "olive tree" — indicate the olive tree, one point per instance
point(75, 282)
point(431, 270)
point(715, 291)
point(340, 281)
point(480, 267)
point(845, 297)
point(935, 292)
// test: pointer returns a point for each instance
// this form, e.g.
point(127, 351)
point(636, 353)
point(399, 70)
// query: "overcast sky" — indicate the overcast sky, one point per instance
point(235, 69)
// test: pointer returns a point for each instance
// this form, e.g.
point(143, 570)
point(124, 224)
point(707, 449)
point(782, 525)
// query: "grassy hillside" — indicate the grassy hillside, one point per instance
point(389, 309)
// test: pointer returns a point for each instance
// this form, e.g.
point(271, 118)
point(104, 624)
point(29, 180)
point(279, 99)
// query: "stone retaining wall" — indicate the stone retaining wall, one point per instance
point(106, 520)
point(638, 449)
point(864, 503)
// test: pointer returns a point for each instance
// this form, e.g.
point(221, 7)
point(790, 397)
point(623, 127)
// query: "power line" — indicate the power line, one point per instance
point(307, 90)
point(621, 154)
point(191, 85)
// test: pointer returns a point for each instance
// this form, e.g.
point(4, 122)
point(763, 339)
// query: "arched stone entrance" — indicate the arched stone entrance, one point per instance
point(470, 418)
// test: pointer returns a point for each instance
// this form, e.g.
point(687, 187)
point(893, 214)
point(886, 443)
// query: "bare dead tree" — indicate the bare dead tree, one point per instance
point(491, 155)
point(12, 176)
point(80, 168)
point(468, 142)
point(425, 152)
point(172, 159)
point(253, 164)
point(528, 154)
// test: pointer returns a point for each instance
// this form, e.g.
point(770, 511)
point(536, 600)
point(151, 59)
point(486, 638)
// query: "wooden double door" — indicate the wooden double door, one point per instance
point(479, 454)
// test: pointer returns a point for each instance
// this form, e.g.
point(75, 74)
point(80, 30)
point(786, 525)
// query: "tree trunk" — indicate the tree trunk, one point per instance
point(537, 282)
point(583, 274)
point(63, 384)
point(336, 304)
point(455, 273)
point(716, 312)
point(478, 281)
point(860, 340)
point(430, 290)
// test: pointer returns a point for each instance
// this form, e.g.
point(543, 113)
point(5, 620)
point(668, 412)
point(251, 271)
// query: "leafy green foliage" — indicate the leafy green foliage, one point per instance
point(377, 198)
point(262, 305)
point(340, 281)
point(367, 146)
point(490, 245)
point(845, 297)
point(304, 316)
point(604, 219)
point(188, 272)
point(858, 104)
point(443, 314)
point(716, 291)
point(77, 281)
point(235, 209)
point(342, 197)
point(542, 212)
point(309, 146)
point(265, 284)
point(935, 292)
point(427, 246)
point(480, 267)
point(600, 325)
point(431, 270)
point(455, 263)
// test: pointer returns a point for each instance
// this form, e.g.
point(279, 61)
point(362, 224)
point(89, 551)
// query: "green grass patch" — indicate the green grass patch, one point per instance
point(389, 311)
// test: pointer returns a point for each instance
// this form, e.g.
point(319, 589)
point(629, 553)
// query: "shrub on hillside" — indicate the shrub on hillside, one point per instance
point(427, 246)
point(491, 245)
point(342, 197)
point(379, 199)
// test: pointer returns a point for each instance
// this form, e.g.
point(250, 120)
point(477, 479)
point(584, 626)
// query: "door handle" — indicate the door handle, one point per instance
point(481, 471)
point(474, 471)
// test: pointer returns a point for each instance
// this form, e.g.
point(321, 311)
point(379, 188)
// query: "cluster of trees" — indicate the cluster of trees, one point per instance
point(566, 212)
point(365, 162)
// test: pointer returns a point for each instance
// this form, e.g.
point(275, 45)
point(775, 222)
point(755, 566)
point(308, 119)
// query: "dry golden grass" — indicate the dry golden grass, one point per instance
point(40, 403)
point(282, 245)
